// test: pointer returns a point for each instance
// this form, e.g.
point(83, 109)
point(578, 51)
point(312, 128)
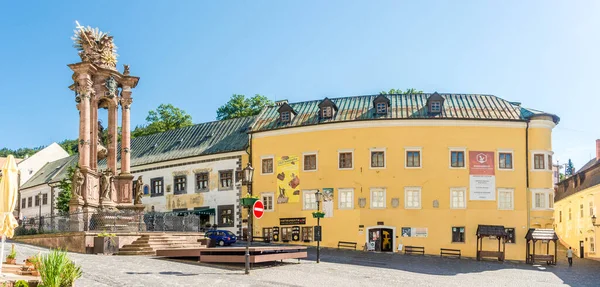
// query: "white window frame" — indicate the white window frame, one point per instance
point(412, 189)
point(512, 198)
point(438, 107)
point(378, 189)
point(289, 116)
point(338, 158)
point(272, 157)
point(371, 150)
point(316, 154)
point(268, 194)
point(547, 165)
point(345, 190)
point(545, 194)
point(309, 191)
point(385, 108)
point(464, 193)
point(464, 150)
point(420, 150)
point(512, 158)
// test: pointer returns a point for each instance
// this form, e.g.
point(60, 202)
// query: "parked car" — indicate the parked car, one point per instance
point(221, 237)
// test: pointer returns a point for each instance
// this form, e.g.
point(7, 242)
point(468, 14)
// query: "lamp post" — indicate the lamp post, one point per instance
point(594, 220)
point(318, 198)
point(40, 211)
point(248, 174)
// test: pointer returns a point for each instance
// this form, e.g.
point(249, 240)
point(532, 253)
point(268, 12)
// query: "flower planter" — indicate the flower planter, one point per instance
point(106, 245)
point(11, 261)
point(318, 214)
point(248, 201)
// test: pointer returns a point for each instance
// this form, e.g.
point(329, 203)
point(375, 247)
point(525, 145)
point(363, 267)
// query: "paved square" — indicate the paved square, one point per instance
point(338, 268)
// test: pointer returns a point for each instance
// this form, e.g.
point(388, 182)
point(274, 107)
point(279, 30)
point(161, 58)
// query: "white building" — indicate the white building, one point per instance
point(29, 166)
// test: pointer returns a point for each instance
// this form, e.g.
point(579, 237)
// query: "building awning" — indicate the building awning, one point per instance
point(491, 230)
point(541, 234)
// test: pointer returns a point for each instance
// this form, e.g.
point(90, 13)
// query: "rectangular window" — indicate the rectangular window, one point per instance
point(560, 216)
point(538, 161)
point(412, 197)
point(505, 160)
point(37, 200)
point(44, 198)
point(592, 208)
point(285, 116)
point(268, 233)
point(539, 200)
point(551, 199)
point(307, 233)
point(23, 202)
point(310, 199)
point(202, 181)
point(156, 186)
point(346, 198)
point(581, 210)
point(505, 199)
point(377, 198)
point(458, 234)
point(569, 213)
point(436, 106)
point(381, 108)
point(457, 159)
point(286, 234)
point(377, 159)
point(226, 215)
point(225, 179)
point(592, 245)
point(511, 236)
point(413, 158)
point(267, 199)
point(267, 166)
point(345, 160)
point(458, 198)
point(326, 112)
point(549, 162)
point(180, 184)
point(310, 162)
point(29, 201)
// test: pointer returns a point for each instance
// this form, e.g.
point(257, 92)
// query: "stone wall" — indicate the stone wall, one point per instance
point(70, 241)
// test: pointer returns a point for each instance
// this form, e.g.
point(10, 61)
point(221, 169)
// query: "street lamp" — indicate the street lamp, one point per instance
point(248, 174)
point(318, 198)
point(40, 212)
point(594, 220)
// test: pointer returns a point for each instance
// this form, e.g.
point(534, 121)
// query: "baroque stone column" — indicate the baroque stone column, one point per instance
point(125, 130)
point(112, 137)
point(84, 91)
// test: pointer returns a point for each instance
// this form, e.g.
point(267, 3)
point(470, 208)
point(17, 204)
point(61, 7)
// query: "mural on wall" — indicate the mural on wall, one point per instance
point(188, 201)
point(328, 202)
point(288, 182)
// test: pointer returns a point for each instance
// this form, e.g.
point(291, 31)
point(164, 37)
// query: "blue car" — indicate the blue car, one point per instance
point(221, 237)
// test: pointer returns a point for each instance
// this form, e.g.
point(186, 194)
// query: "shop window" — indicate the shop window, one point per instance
point(505, 160)
point(267, 166)
point(310, 162)
point(202, 181)
point(180, 184)
point(458, 234)
point(378, 159)
point(307, 233)
point(457, 159)
point(286, 234)
point(511, 238)
point(458, 198)
point(225, 179)
point(538, 161)
point(377, 198)
point(413, 158)
point(226, 215)
point(267, 199)
point(309, 199)
point(267, 233)
point(412, 197)
point(345, 160)
point(156, 186)
point(505, 199)
point(44, 198)
point(346, 198)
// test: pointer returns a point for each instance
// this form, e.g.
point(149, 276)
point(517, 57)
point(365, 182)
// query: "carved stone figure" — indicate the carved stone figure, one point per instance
point(105, 187)
point(125, 70)
point(139, 186)
point(77, 183)
point(111, 87)
point(95, 47)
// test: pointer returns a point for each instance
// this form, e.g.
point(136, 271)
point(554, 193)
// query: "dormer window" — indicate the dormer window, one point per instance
point(326, 112)
point(381, 108)
point(381, 104)
point(435, 102)
point(286, 113)
point(327, 109)
point(285, 116)
point(436, 107)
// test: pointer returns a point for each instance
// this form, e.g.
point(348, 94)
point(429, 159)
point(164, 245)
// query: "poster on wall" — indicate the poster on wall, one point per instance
point(414, 231)
point(482, 178)
point(328, 202)
point(288, 182)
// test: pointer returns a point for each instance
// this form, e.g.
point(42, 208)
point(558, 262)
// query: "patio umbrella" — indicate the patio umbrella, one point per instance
point(9, 189)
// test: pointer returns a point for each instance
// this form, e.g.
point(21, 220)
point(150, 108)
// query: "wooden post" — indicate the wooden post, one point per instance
point(533, 254)
point(555, 251)
point(504, 249)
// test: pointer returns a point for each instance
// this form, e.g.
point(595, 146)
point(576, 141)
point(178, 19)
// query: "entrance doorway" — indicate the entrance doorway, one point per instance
point(381, 239)
point(581, 249)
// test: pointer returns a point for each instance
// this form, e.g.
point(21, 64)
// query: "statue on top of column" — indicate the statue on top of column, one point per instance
point(105, 187)
point(139, 187)
point(95, 47)
point(77, 183)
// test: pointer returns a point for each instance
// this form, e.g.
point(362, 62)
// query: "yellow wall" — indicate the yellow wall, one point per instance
point(578, 228)
point(435, 179)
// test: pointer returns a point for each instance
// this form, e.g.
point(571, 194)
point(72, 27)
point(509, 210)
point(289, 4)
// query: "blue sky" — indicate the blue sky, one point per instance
point(196, 54)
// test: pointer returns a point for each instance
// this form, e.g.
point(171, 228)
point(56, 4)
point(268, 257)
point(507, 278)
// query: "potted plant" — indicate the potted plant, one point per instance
point(57, 270)
point(318, 214)
point(21, 283)
point(31, 261)
point(106, 243)
point(249, 200)
point(11, 258)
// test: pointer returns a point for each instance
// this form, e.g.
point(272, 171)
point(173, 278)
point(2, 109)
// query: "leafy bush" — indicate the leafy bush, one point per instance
point(12, 254)
point(57, 270)
point(21, 283)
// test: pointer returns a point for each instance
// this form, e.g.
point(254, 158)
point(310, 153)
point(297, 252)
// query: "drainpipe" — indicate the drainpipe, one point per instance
point(527, 191)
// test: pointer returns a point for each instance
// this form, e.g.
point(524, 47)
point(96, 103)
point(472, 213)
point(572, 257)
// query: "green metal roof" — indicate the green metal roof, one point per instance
point(51, 172)
point(413, 106)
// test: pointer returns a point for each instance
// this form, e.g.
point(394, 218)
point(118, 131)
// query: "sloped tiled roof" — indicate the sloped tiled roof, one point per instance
point(589, 164)
point(491, 230)
point(541, 234)
point(51, 172)
point(456, 106)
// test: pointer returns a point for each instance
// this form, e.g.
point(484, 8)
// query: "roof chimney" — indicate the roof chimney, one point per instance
point(281, 102)
point(598, 149)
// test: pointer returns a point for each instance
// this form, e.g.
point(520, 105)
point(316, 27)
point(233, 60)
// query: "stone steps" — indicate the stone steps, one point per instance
point(148, 244)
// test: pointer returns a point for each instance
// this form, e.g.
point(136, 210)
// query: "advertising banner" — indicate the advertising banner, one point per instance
point(328, 202)
point(288, 182)
point(414, 231)
point(482, 177)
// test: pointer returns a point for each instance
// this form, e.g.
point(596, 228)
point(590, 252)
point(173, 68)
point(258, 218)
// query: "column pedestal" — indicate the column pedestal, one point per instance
point(76, 222)
point(124, 187)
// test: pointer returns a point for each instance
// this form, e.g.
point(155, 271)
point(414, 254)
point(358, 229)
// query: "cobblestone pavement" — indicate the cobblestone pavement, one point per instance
point(337, 268)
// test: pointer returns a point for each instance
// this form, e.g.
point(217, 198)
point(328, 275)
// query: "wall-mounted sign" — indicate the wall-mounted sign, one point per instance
point(318, 235)
point(328, 202)
point(414, 231)
point(292, 221)
point(482, 175)
point(295, 233)
point(276, 233)
point(288, 182)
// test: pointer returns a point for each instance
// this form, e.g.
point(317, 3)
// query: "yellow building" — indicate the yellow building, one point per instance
point(411, 170)
point(575, 208)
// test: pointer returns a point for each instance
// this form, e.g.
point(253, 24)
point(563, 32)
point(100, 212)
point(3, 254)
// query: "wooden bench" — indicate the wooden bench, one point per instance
point(414, 249)
point(549, 259)
point(449, 252)
point(346, 244)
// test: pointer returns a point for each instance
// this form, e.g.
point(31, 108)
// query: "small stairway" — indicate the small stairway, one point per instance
point(148, 244)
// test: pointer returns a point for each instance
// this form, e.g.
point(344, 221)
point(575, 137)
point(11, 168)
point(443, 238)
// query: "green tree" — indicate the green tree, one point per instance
point(64, 196)
point(165, 117)
point(70, 146)
point(400, 92)
point(19, 153)
point(569, 169)
point(239, 106)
